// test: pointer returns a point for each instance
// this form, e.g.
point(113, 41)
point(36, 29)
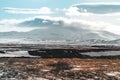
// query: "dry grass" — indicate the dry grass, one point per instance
point(61, 68)
point(85, 64)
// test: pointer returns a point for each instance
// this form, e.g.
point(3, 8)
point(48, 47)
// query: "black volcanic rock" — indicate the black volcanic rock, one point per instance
point(2, 52)
point(69, 53)
point(57, 53)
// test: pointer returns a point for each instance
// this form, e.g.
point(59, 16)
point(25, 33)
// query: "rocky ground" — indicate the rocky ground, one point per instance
point(36, 68)
point(59, 69)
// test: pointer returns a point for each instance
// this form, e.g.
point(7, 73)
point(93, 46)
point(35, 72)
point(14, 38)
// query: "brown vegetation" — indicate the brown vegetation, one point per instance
point(73, 68)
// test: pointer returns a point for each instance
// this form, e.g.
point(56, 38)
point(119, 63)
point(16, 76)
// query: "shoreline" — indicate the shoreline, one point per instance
point(60, 51)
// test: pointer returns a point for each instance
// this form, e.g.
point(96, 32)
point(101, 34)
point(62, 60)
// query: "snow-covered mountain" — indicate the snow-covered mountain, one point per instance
point(50, 30)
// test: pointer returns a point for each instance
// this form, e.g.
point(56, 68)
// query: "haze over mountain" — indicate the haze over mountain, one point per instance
point(94, 22)
point(57, 30)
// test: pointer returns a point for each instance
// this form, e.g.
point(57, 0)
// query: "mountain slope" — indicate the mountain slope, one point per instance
point(57, 32)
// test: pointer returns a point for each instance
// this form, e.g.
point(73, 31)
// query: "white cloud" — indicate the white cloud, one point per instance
point(75, 18)
point(42, 10)
point(78, 22)
point(72, 11)
point(98, 3)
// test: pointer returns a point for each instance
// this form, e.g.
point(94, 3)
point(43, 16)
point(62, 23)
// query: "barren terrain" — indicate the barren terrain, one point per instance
point(62, 69)
point(79, 67)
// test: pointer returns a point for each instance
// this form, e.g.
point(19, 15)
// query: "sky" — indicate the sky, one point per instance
point(13, 12)
point(17, 8)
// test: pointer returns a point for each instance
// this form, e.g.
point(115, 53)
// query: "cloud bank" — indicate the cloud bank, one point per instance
point(78, 15)
point(42, 10)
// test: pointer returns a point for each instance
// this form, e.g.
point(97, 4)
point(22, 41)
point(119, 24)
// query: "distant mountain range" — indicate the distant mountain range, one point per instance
point(59, 31)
